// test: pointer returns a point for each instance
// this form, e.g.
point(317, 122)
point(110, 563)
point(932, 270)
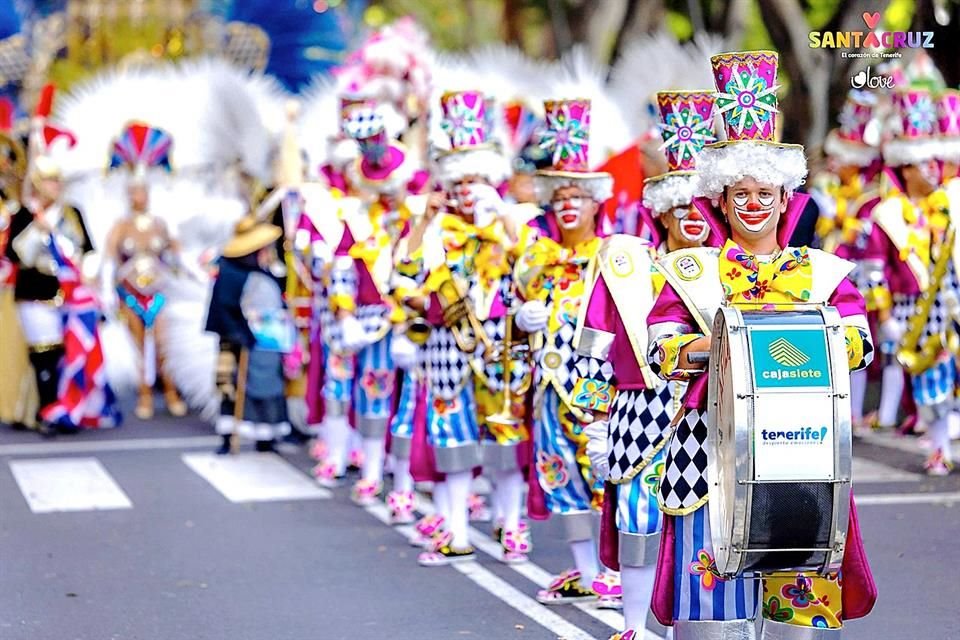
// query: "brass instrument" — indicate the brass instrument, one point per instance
point(418, 330)
point(913, 357)
point(460, 318)
point(508, 354)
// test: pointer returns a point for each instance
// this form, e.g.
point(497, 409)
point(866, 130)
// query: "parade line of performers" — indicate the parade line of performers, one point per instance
point(475, 314)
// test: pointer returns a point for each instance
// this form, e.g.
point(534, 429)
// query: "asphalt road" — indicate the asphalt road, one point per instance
point(174, 558)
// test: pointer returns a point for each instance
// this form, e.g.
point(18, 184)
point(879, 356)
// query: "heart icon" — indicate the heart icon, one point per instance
point(872, 19)
point(859, 80)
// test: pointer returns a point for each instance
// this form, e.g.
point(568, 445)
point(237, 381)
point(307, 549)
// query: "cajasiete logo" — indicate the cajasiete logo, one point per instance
point(868, 79)
point(786, 354)
point(871, 39)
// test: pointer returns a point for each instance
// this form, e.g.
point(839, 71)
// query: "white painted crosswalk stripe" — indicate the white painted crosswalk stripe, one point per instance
point(254, 477)
point(67, 484)
point(865, 470)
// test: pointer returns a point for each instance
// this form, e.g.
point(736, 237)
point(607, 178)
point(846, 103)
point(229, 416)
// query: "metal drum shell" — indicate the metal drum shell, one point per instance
point(730, 446)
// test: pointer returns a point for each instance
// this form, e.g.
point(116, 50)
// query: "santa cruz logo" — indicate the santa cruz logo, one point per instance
point(872, 38)
point(787, 354)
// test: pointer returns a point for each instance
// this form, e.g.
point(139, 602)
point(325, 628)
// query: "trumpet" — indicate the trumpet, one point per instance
point(418, 330)
point(459, 317)
point(508, 353)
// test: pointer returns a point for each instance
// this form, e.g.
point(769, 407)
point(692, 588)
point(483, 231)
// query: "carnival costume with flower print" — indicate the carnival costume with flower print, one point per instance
point(690, 592)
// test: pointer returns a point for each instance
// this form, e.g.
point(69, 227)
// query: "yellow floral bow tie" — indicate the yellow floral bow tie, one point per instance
point(457, 233)
point(787, 279)
point(549, 253)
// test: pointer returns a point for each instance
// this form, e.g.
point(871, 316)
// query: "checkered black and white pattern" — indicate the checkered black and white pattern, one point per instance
point(639, 422)
point(447, 366)
point(684, 481)
point(496, 330)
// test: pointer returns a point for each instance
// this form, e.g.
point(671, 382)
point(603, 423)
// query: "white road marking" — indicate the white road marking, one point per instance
point(534, 573)
point(907, 498)
point(910, 444)
point(254, 477)
point(72, 484)
point(499, 588)
point(95, 446)
point(865, 470)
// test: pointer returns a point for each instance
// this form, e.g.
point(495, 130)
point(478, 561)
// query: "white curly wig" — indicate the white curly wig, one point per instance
point(662, 193)
point(598, 185)
point(724, 164)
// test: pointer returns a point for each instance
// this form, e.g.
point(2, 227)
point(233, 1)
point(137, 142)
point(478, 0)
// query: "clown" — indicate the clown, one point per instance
point(553, 277)
point(752, 179)
point(359, 368)
point(139, 260)
point(628, 448)
point(467, 254)
point(913, 283)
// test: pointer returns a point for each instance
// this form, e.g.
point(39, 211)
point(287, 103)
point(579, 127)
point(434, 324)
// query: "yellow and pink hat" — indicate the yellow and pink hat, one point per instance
point(465, 122)
point(746, 99)
point(855, 141)
point(948, 125)
point(916, 140)
point(566, 140)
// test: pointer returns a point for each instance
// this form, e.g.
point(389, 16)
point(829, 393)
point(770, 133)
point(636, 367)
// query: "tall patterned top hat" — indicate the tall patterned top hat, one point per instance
point(916, 139)
point(567, 141)
point(464, 122)
point(948, 125)
point(686, 126)
point(747, 100)
point(384, 165)
point(855, 141)
point(140, 147)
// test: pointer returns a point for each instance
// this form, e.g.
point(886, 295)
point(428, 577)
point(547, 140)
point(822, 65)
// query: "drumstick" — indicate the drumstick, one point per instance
point(699, 357)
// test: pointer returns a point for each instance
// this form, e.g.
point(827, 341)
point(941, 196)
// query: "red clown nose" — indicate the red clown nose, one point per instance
point(753, 206)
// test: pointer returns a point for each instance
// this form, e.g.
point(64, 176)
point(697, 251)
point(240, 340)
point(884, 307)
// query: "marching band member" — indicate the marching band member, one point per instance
point(627, 447)
point(360, 375)
point(553, 277)
point(466, 255)
point(752, 179)
point(138, 260)
point(913, 282)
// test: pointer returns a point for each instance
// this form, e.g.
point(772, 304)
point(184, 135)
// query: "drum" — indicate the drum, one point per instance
point(779, 440)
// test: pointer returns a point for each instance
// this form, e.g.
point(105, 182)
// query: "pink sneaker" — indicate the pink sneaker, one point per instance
point(318, 449)
point(629, 634)
point(938, 464)
point(365, 492)
point(426, 528)
point(325, 473)
point(355, 459)
point(401, 507)
point(478, 508)
point(516, 545)
point(608, 590)
point(564, 589)
point(443, 553)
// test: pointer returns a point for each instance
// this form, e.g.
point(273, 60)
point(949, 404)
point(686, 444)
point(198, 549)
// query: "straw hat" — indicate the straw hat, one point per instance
point(250, 236)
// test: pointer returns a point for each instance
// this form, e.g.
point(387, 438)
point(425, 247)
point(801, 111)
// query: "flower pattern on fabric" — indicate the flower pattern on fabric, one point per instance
point(445, 407)
point(686, 132)
point(551, 471)
point(553, 274)
point(858, 347)
point(705, 567)
point(666, 359)
point(749, 98)
point(812, 601)
point(377, 383)
point(800, 594)
point(788, 278)
point(565, 137)
point(593, 395)
point(774, 610)
point(341, 367)
point(652, 480)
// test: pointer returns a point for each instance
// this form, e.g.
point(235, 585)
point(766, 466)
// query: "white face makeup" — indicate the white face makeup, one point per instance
point(568, 211)
point(690, 224)
point(754, 211)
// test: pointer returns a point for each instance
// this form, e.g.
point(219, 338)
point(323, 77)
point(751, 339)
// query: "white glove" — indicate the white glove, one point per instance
point(532, 316)
point(596, 433)
point(352, 335)
point(891, 330)
point(489, 204)
point(403, 352)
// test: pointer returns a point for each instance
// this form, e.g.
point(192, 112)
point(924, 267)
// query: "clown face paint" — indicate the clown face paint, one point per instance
point(753, 208)
point(690, 224)
point(572, 208)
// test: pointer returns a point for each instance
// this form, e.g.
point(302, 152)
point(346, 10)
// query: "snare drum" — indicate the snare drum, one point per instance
point(779, 440)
